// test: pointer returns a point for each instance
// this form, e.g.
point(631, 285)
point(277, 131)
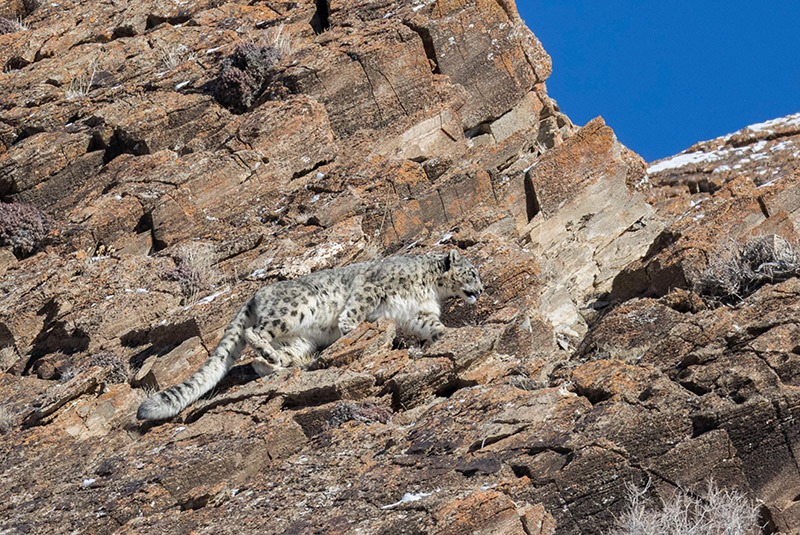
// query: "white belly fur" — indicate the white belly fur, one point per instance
point(403, 310)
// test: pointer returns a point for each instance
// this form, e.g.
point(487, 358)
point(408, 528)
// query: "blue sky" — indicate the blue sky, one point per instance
point(665, 74)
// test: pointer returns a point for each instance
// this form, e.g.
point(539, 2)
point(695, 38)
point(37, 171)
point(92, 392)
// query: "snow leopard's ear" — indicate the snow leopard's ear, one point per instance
point(453, 257)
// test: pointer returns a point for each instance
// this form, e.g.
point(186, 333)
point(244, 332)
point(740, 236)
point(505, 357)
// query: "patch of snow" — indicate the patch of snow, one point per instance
point(259, 273)
point(772, 124)
point(88, 482)
point(783, 145)
point(407, 498)
point(531, 166)
point(768, 184)
point(683, 159)
point(445, 238)
point(181, 85)
point(208, 299)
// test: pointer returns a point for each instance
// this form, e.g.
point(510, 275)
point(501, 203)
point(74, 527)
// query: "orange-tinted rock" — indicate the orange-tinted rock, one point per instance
point(384, 129)
point(481, 512)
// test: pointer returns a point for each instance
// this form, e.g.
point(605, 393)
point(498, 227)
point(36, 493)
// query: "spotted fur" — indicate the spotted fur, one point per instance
point(288, 322)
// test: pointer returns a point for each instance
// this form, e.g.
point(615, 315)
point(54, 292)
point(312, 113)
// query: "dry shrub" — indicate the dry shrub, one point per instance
point(24, 227)
point(718, 511)
point(247, 73)
point(81, 85)
point(277, 38)
point(244, 75)
point(11, 26)
point(194, 270)
point(742, 269)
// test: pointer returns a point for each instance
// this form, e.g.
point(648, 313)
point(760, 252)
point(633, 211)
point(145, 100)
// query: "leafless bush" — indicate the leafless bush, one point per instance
point(742, 269)
point(194, 269)
point(119, 370)
point(11, 26)
point(718, 512)
point(24, 227)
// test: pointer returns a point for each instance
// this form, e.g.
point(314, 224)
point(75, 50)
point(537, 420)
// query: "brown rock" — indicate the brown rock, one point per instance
point(480, 512)
point(292, 138)
point(581, 188)
point(461, 38)
point(588, 364)
point(160, 372)
point(368, 79)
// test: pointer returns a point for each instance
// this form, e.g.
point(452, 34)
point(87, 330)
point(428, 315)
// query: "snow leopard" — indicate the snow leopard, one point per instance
point(289, 322)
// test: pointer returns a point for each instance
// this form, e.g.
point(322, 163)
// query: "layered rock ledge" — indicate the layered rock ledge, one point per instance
point(173, 158)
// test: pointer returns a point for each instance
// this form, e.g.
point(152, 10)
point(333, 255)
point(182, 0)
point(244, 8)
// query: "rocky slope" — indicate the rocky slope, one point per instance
point(184, 154)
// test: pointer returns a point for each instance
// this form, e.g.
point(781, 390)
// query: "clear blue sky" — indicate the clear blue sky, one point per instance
point(665, 74)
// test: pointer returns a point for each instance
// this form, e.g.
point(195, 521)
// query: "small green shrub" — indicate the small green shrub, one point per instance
point(24, 227)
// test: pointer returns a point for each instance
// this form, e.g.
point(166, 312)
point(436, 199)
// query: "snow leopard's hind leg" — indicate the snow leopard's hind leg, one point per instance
point(274, 357)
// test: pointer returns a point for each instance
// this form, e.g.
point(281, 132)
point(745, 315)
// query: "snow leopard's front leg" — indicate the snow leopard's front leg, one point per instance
point(426, 326)
point(364, 298)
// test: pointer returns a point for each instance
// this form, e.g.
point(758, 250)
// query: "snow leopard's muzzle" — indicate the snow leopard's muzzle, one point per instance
point(471, 287)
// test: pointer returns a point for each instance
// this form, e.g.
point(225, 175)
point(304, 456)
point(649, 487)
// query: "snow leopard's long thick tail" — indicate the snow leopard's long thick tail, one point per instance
point(171, 401)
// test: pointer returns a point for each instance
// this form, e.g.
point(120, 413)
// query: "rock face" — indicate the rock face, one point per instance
point(371, 128)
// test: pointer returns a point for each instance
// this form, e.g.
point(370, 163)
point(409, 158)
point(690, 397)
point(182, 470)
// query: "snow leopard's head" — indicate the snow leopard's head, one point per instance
point(461, 277)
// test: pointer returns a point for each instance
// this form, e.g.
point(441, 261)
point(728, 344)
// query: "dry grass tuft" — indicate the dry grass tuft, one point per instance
point(80, 86)
point(194, 270)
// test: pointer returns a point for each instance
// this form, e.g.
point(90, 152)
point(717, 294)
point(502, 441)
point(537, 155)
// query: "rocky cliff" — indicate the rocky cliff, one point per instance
point(159, 161)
